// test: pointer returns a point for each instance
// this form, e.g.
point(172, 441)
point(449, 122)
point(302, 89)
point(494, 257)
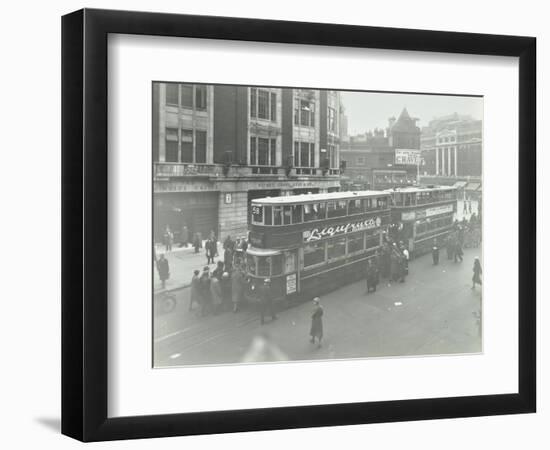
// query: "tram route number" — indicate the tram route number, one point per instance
point(317, 234)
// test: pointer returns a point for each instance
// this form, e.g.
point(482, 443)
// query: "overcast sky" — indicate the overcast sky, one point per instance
point(369, 110)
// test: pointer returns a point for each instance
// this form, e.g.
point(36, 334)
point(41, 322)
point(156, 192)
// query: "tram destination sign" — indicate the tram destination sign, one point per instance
point(319, 233)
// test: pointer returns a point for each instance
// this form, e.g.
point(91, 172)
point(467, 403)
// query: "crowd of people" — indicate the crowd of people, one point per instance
point(224, 288)
point(391, 262)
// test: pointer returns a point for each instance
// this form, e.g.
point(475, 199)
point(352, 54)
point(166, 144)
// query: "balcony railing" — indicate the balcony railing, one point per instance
point(174, 170)
point(185, 170)
point(265, 170)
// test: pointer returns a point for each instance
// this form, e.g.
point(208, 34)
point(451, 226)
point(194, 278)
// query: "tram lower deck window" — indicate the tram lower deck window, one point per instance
point(373, 241)
point(264, 264)
point(336, 248)
point(356, 242)
point(314, 253)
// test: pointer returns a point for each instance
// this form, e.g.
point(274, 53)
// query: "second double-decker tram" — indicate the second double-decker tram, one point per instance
point(422, 215)
point(312, 243)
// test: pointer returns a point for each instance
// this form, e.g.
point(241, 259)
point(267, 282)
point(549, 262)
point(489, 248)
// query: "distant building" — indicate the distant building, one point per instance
point(452, 146)
point(216, 148)
point(370, 157)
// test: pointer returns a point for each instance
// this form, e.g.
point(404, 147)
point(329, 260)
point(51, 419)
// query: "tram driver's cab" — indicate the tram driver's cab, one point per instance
point(278, 265)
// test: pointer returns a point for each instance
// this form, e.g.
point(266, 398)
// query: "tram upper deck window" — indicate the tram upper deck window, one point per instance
point(409, 199)
point(382, 202)
point(277, 215)
point(398, 199)
point(314, 211)
point(268, 215)
point(296, 213)
point(336, 208)
point(356, 206)
point(257, 214)
point(287, 215)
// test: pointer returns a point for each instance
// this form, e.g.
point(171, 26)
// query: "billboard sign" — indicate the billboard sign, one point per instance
point(407, 156)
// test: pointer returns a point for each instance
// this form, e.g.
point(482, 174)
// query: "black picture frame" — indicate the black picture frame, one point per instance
point(84, 224)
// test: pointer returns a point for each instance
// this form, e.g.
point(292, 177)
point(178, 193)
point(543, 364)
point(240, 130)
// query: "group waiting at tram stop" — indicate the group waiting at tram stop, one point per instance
point(302, 246)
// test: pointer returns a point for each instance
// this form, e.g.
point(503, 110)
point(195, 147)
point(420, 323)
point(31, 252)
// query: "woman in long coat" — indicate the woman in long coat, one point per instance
point(317, 322)
point(216, 293)
point(476, 278)
point(372, 276)
point(163, 270)
point(205, 291)
point(237, 288)
point(195, 290)
point(395, 266)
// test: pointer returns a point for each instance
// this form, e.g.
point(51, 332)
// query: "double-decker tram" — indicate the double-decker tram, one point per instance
point(421, 215)
point(313, 243)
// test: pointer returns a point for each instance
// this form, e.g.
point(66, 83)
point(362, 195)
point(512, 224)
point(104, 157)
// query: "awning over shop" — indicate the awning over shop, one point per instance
point(460, 184)
point(473, 186)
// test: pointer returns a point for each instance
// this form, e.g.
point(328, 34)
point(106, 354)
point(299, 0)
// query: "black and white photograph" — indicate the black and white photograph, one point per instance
point(300, 224)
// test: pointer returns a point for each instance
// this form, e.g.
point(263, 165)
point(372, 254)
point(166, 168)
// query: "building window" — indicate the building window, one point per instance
point(191, 149)
point(304, 113)
point(360, 160)
point(263, 104)
point(332, 159)
point(171, 145)
point(187, 96)
point(331, 119)
point(273, 105)
point(304, 154)
point(262, 151)
point(187, 146)
point(200, 146)
point(172, 94)
point(200, 97)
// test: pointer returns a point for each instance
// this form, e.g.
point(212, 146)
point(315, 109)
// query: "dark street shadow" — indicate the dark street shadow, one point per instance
point(53, 423)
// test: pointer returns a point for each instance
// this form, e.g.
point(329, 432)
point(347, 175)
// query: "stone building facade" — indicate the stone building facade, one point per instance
point(452, 146)
point(370, 157)
point(218, 147)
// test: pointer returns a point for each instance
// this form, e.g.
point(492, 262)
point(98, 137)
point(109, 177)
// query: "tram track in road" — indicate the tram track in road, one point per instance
point(200, 333)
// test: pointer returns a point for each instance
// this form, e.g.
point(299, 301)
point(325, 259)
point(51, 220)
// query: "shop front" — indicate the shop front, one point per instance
point(198, 211)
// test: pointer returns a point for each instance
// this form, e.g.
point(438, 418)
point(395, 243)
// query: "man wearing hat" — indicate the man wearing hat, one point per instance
point(316, 331)
point(266, 301)
point(206, 299)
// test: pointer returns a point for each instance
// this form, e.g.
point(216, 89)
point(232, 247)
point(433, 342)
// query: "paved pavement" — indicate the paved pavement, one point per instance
point(434, 312)
point(183, 261)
